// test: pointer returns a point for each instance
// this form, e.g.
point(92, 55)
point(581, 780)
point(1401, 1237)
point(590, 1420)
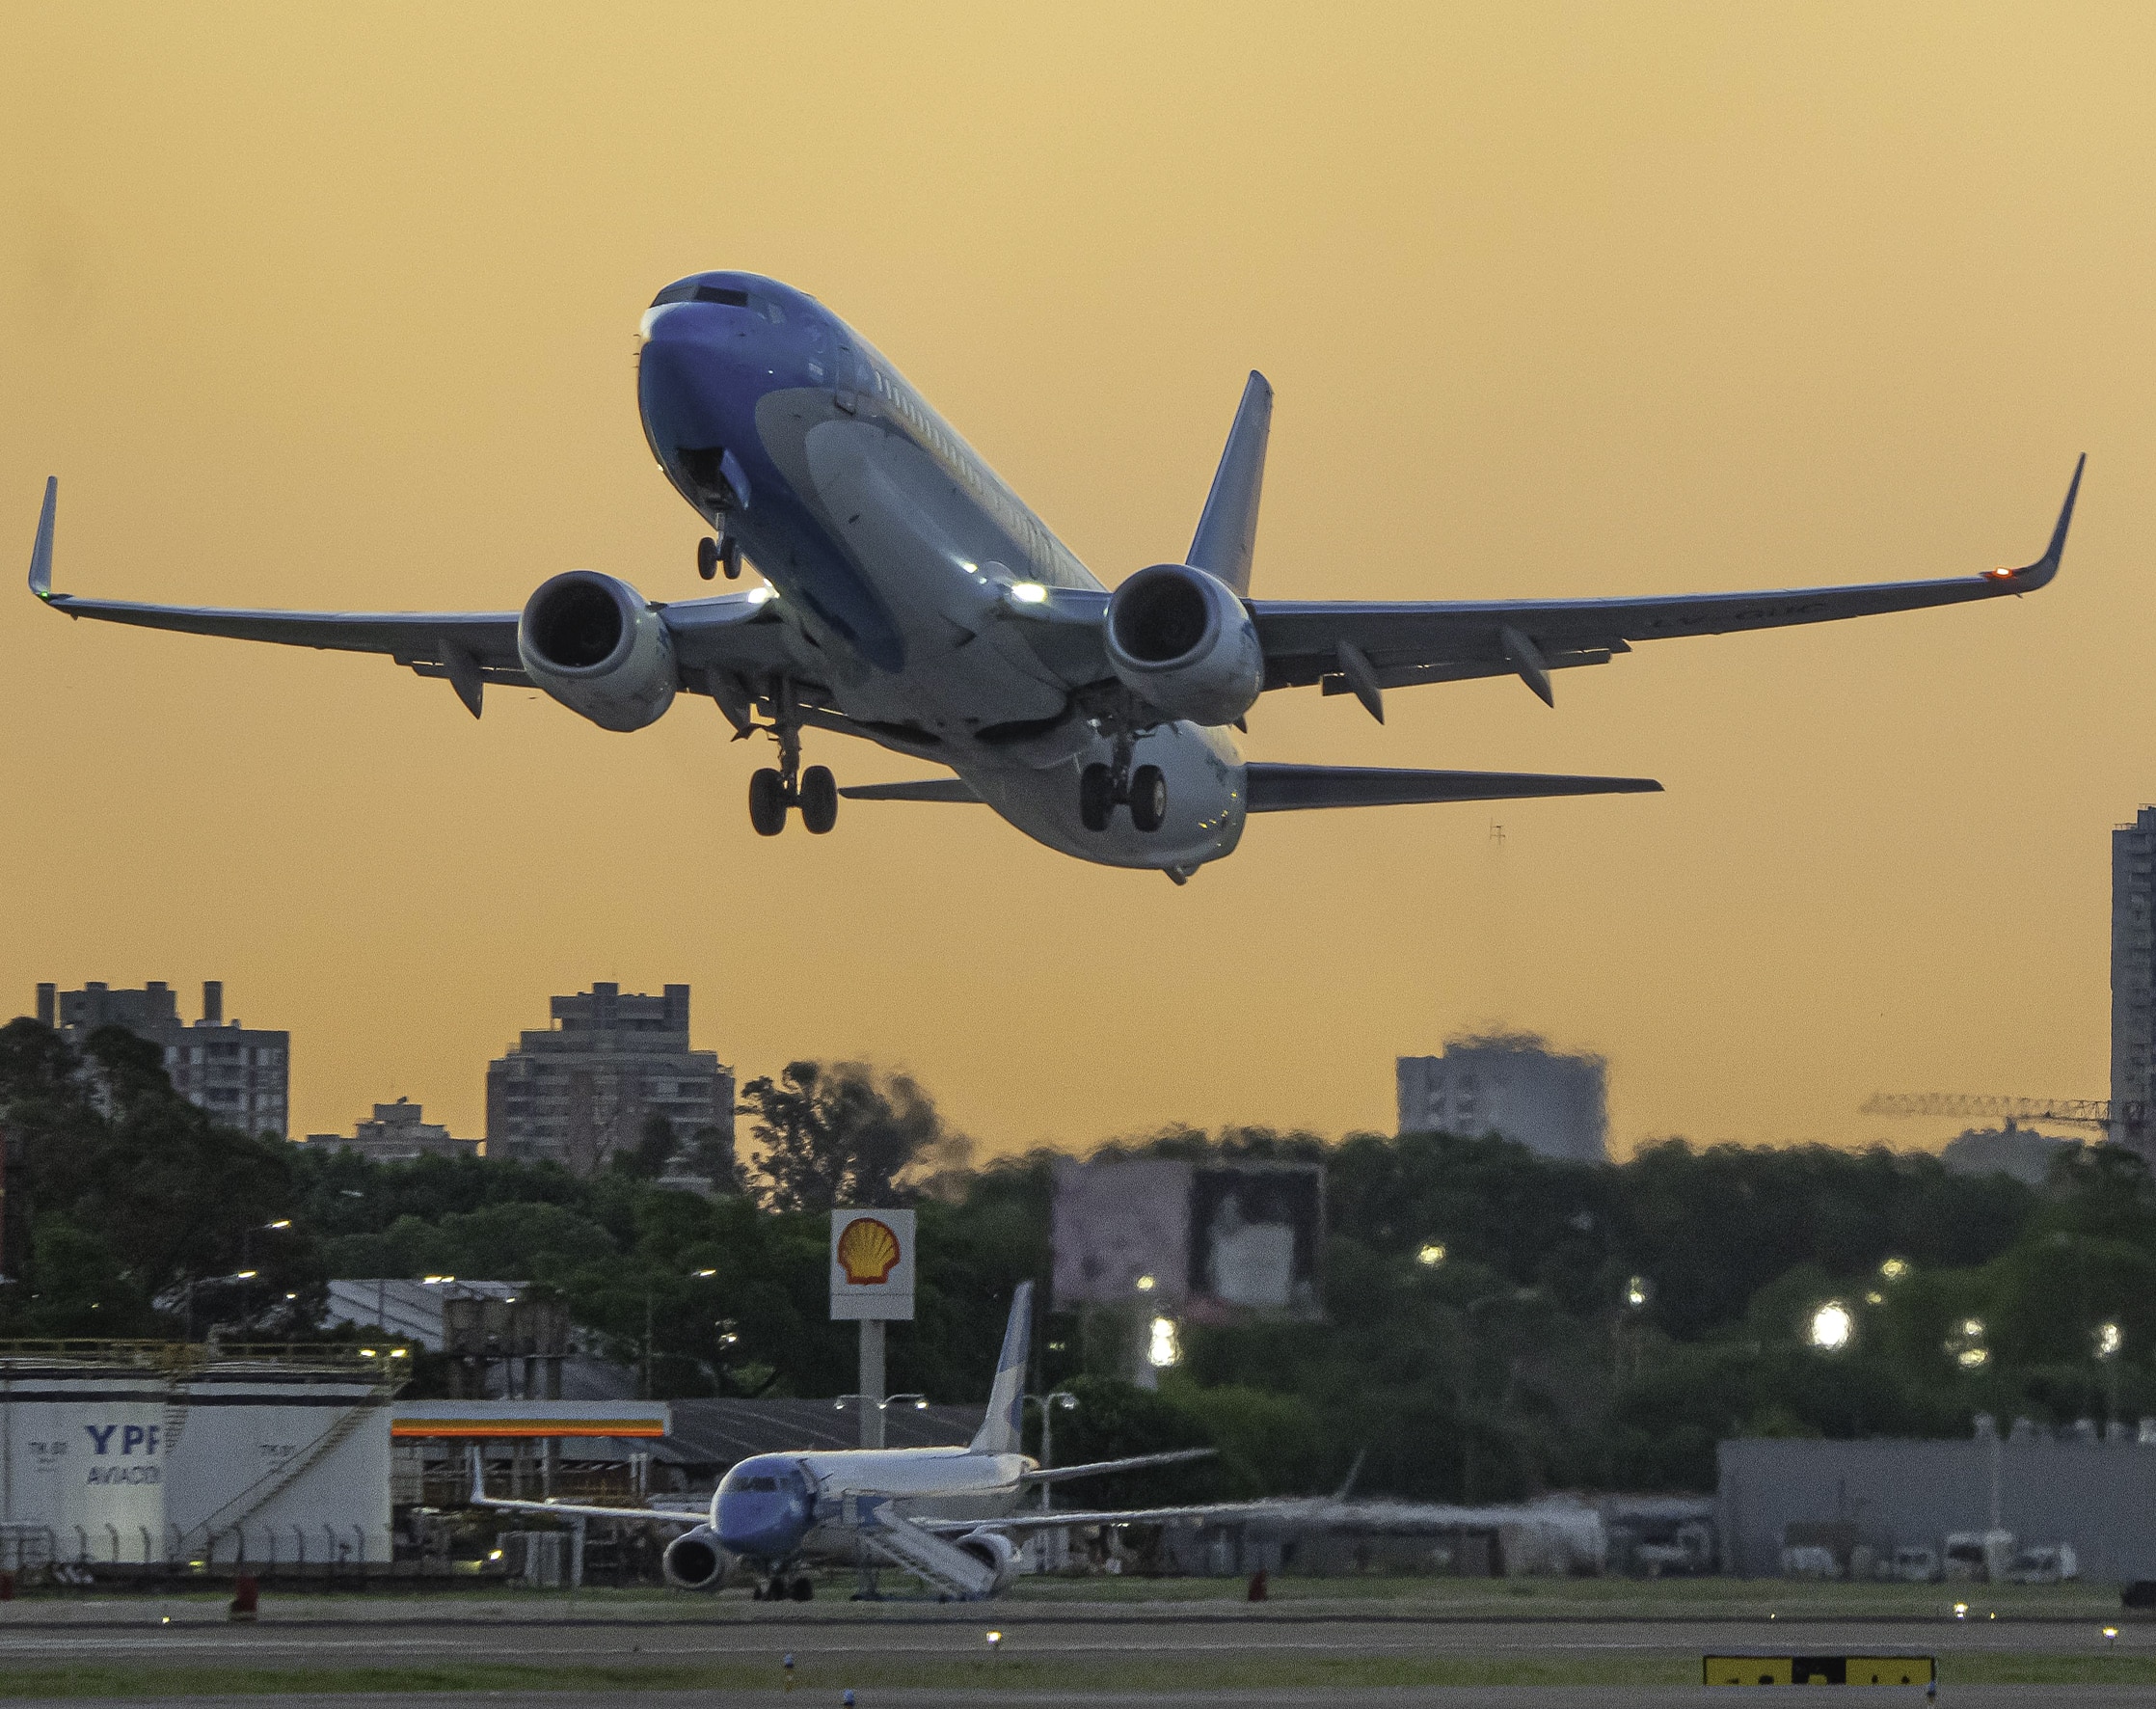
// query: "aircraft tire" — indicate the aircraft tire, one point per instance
point(707, 557)
point(766, 801)
point(1148, 797)
point(804, 1589)
point(730, 558)
point(820, 800)
point(1096, 797)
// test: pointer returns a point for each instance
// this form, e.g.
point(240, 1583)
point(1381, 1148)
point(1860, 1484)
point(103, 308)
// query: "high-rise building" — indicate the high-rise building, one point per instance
point(239, 1074)
point(1512, 1085)
point(583, 1090)
point(2133, 960)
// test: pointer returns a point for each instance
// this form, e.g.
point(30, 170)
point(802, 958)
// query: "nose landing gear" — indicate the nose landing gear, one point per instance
point(721, 553)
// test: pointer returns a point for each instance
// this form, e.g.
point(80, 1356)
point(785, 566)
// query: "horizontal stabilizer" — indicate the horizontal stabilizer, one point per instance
point(927, 789)
point(1288, 789)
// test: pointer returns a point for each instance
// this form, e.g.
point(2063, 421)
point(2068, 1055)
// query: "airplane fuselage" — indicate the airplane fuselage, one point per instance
point(775, 1507)
point(895, 549)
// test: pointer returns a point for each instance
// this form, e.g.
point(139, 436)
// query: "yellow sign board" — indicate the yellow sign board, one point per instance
point(1820, 1670)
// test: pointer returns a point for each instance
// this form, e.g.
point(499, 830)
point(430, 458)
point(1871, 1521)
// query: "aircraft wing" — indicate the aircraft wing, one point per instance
point(1037, 1519)
point(728, 633)
point(1364, 647)
point(573, 1510)
point(1136, 1462)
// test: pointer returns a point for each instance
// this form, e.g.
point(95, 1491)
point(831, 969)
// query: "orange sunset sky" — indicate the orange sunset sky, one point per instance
point(326, 307)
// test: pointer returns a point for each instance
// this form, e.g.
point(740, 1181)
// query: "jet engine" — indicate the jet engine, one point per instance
point(694, 1561)
point(995, 1552)
point(592, 642)
point(1181, 639)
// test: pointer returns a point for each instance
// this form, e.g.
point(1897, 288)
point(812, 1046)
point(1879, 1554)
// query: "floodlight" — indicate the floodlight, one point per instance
point(2110, 1340)
point(1163, 1350)
point(1431, 1253)
point(1831, 1327)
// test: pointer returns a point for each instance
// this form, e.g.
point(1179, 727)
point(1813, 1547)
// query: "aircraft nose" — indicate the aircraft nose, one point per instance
point(762, 1525)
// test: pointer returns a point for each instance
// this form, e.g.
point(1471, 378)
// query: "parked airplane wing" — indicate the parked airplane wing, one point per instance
point(1288, 789)
point(1136, 1462)
point(1362, 647)
point(571, 1509)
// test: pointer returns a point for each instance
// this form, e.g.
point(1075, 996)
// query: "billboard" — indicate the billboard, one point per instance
point(1204, 1240)
point(872, 1264)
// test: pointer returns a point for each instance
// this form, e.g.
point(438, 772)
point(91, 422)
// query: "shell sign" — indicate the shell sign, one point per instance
point(872, 1264)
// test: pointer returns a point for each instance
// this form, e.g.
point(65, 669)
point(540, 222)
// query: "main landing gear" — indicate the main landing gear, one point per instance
point(1102, 788)
point(781, 1589)
point(721, 553)
point(773, 788)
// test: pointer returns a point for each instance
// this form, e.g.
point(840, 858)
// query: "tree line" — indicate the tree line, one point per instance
point(1495, 1324)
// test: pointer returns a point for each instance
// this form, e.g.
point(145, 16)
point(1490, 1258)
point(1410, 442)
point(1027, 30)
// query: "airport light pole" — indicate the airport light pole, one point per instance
point(1048, 1404)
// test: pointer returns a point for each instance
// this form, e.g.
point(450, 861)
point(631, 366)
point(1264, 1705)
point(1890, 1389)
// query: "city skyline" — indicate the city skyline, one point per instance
point(322, 312)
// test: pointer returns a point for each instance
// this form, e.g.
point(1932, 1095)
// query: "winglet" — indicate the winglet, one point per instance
point(2038, 573)
point(40, 555)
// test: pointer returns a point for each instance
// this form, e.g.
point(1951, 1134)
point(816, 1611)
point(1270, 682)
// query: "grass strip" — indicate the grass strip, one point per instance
point(1007, 1673)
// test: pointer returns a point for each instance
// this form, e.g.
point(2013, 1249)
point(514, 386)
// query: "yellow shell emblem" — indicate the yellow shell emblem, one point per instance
point(868, 1252)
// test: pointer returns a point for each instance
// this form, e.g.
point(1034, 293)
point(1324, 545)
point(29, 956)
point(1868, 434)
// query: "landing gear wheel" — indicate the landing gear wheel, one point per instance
point(707, 557)
point(1148, 797)
point(1096, 797)
point(730, 557)
point(820, 800)
point(804, 1589)
point(768, 802)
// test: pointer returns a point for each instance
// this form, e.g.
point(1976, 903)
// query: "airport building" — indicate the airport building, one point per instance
point(142, 1458)
point(582, 1090)
point(1854, 1504)
point(1512, 1085)
point(241, 1075)
point(398, 1134)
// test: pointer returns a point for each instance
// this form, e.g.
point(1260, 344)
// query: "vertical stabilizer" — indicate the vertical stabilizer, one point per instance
point(1228, 533)
point(999, 1431)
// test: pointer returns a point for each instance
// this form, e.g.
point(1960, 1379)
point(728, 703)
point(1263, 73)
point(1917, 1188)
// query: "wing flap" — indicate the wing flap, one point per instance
point(1290, 789)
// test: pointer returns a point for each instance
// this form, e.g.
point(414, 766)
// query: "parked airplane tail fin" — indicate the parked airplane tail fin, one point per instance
point(999, 1432)
point(1227, 537)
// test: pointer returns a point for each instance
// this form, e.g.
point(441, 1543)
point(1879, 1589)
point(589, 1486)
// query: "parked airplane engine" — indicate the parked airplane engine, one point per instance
point(694, 1561)
point(1181, 639)
point(592, 642)
point(995, 1552)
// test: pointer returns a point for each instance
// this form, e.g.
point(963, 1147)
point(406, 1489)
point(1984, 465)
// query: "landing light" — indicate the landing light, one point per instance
point(758, 595)
point(1028, 593)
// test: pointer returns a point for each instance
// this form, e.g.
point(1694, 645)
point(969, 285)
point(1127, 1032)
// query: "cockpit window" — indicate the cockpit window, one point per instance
point(761, 1480)
point(689, 290)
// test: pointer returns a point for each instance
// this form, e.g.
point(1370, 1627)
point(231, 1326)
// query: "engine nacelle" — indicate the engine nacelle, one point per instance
point(592, 642)
point(694, 1561)
point(1180, 639)
point(995, 1552)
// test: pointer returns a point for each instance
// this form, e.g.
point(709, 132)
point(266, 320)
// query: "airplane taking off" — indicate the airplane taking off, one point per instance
point(913, 599)
point(945, 1514)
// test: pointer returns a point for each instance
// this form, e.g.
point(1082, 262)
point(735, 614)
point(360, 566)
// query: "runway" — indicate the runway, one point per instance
point(364, 1634)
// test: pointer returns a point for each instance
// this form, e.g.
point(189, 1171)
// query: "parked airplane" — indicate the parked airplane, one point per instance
point(946, 1515)
point(913, 599)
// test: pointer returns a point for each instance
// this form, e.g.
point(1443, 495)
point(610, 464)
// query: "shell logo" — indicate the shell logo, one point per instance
point(868, 1252)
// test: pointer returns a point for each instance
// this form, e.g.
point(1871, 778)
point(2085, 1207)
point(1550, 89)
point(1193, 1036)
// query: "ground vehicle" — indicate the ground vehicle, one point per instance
point(1981, 1556)
point(2043, 1563)
point(1916, 1563)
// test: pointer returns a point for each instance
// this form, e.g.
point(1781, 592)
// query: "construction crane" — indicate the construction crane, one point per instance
point(2124, 1121)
